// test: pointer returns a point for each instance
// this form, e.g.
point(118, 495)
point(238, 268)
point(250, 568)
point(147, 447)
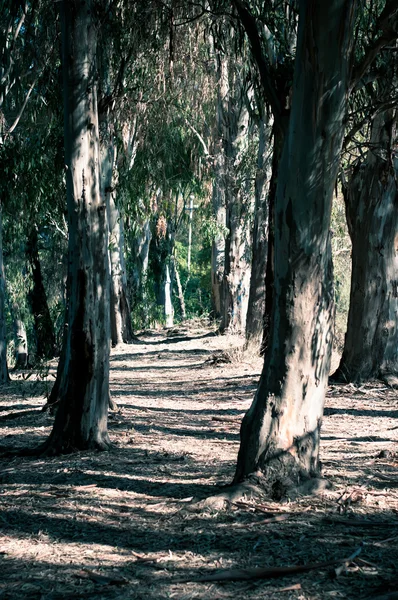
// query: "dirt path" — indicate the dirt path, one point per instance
point(122, 524)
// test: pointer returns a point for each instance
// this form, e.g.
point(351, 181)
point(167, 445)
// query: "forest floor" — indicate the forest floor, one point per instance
point(132, 523)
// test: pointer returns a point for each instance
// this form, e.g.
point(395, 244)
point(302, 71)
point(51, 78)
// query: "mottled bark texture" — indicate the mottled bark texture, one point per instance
point(280, 432)
point(37, 297)
point(256, 304)
point(21, 340)
point(81, 419)
point(231, 252)
point(4, 377)
point(371, 198)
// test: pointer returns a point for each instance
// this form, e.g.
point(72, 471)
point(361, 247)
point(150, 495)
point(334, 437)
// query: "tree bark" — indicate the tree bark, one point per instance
point(280, 432)
point(371, 197)
point(256, 304)
point(231, 202)
point(4, 377)
point(81, 419)
point(21, 340)
point(121, 326)
point(43, 325)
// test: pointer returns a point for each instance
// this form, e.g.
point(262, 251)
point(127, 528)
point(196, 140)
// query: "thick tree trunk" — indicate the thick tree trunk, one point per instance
point(371, 342)
point(4, 377)
point(43, 325)
point(81, 419)
point(280, 432)
point(256, 305)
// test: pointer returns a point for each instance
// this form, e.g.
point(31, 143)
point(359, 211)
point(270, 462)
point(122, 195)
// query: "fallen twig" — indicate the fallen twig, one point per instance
point(341, 568)
point(266, 573)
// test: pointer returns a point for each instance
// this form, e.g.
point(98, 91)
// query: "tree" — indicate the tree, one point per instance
point(83, 388)
point(280, 432)
point(369, 187)
point(371, 196)
point(257, 294)
point(231, 192)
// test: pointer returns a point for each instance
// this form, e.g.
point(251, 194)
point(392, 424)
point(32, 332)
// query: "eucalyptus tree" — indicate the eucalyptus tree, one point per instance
point(370, 192)
point(281, 431)
point(232, 193)
point(25, 48)
point(81, 419)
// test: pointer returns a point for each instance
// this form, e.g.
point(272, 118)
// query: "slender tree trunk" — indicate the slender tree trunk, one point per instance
point(219, 190)
point(4, 377)
point(256, 305)
point(121, 326)
point(181, 298)
point(81, 419)
point(280, 432)
point(43, 325)
point(279, 137)
point(21, 340)
point(138, 276)
point(371, 197)
point(231, 202)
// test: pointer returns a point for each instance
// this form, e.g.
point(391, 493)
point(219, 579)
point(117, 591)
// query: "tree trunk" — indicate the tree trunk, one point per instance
point(81, 419)
point(121, 326)
point(43, 325)
point(21, 340)
point(371, 197)
point(4, 377)
point(256, 305)
point(138, 275)
point(231, 202)
point(279, 136)
point(280, 432)
point(219, 190)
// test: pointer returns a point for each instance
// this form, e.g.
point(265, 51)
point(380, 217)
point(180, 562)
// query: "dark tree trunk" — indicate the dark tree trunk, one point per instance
point(43, 325)
point(81, 419)
point(280, 432)
point(4, 377)
point(279, 137)
point(256, 305)
point(371, 197)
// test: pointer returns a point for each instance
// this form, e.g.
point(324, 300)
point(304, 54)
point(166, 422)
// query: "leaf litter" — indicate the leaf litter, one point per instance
point(134, 522)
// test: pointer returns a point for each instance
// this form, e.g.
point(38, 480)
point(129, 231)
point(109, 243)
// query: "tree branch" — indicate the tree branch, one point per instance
point(387, 22)
point(250, 26)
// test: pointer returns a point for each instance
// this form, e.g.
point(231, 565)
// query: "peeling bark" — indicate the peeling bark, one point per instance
point(81, 419)
point(371, 197)
point(231, 256)
point(280, 432)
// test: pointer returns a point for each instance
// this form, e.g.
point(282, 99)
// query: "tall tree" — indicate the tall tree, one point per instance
point(257, 294)
point(81, 419)
point(231, 194)
point(371, 198)
point(280, 432)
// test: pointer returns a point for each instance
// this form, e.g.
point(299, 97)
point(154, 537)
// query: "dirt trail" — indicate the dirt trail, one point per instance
point(122, 524)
